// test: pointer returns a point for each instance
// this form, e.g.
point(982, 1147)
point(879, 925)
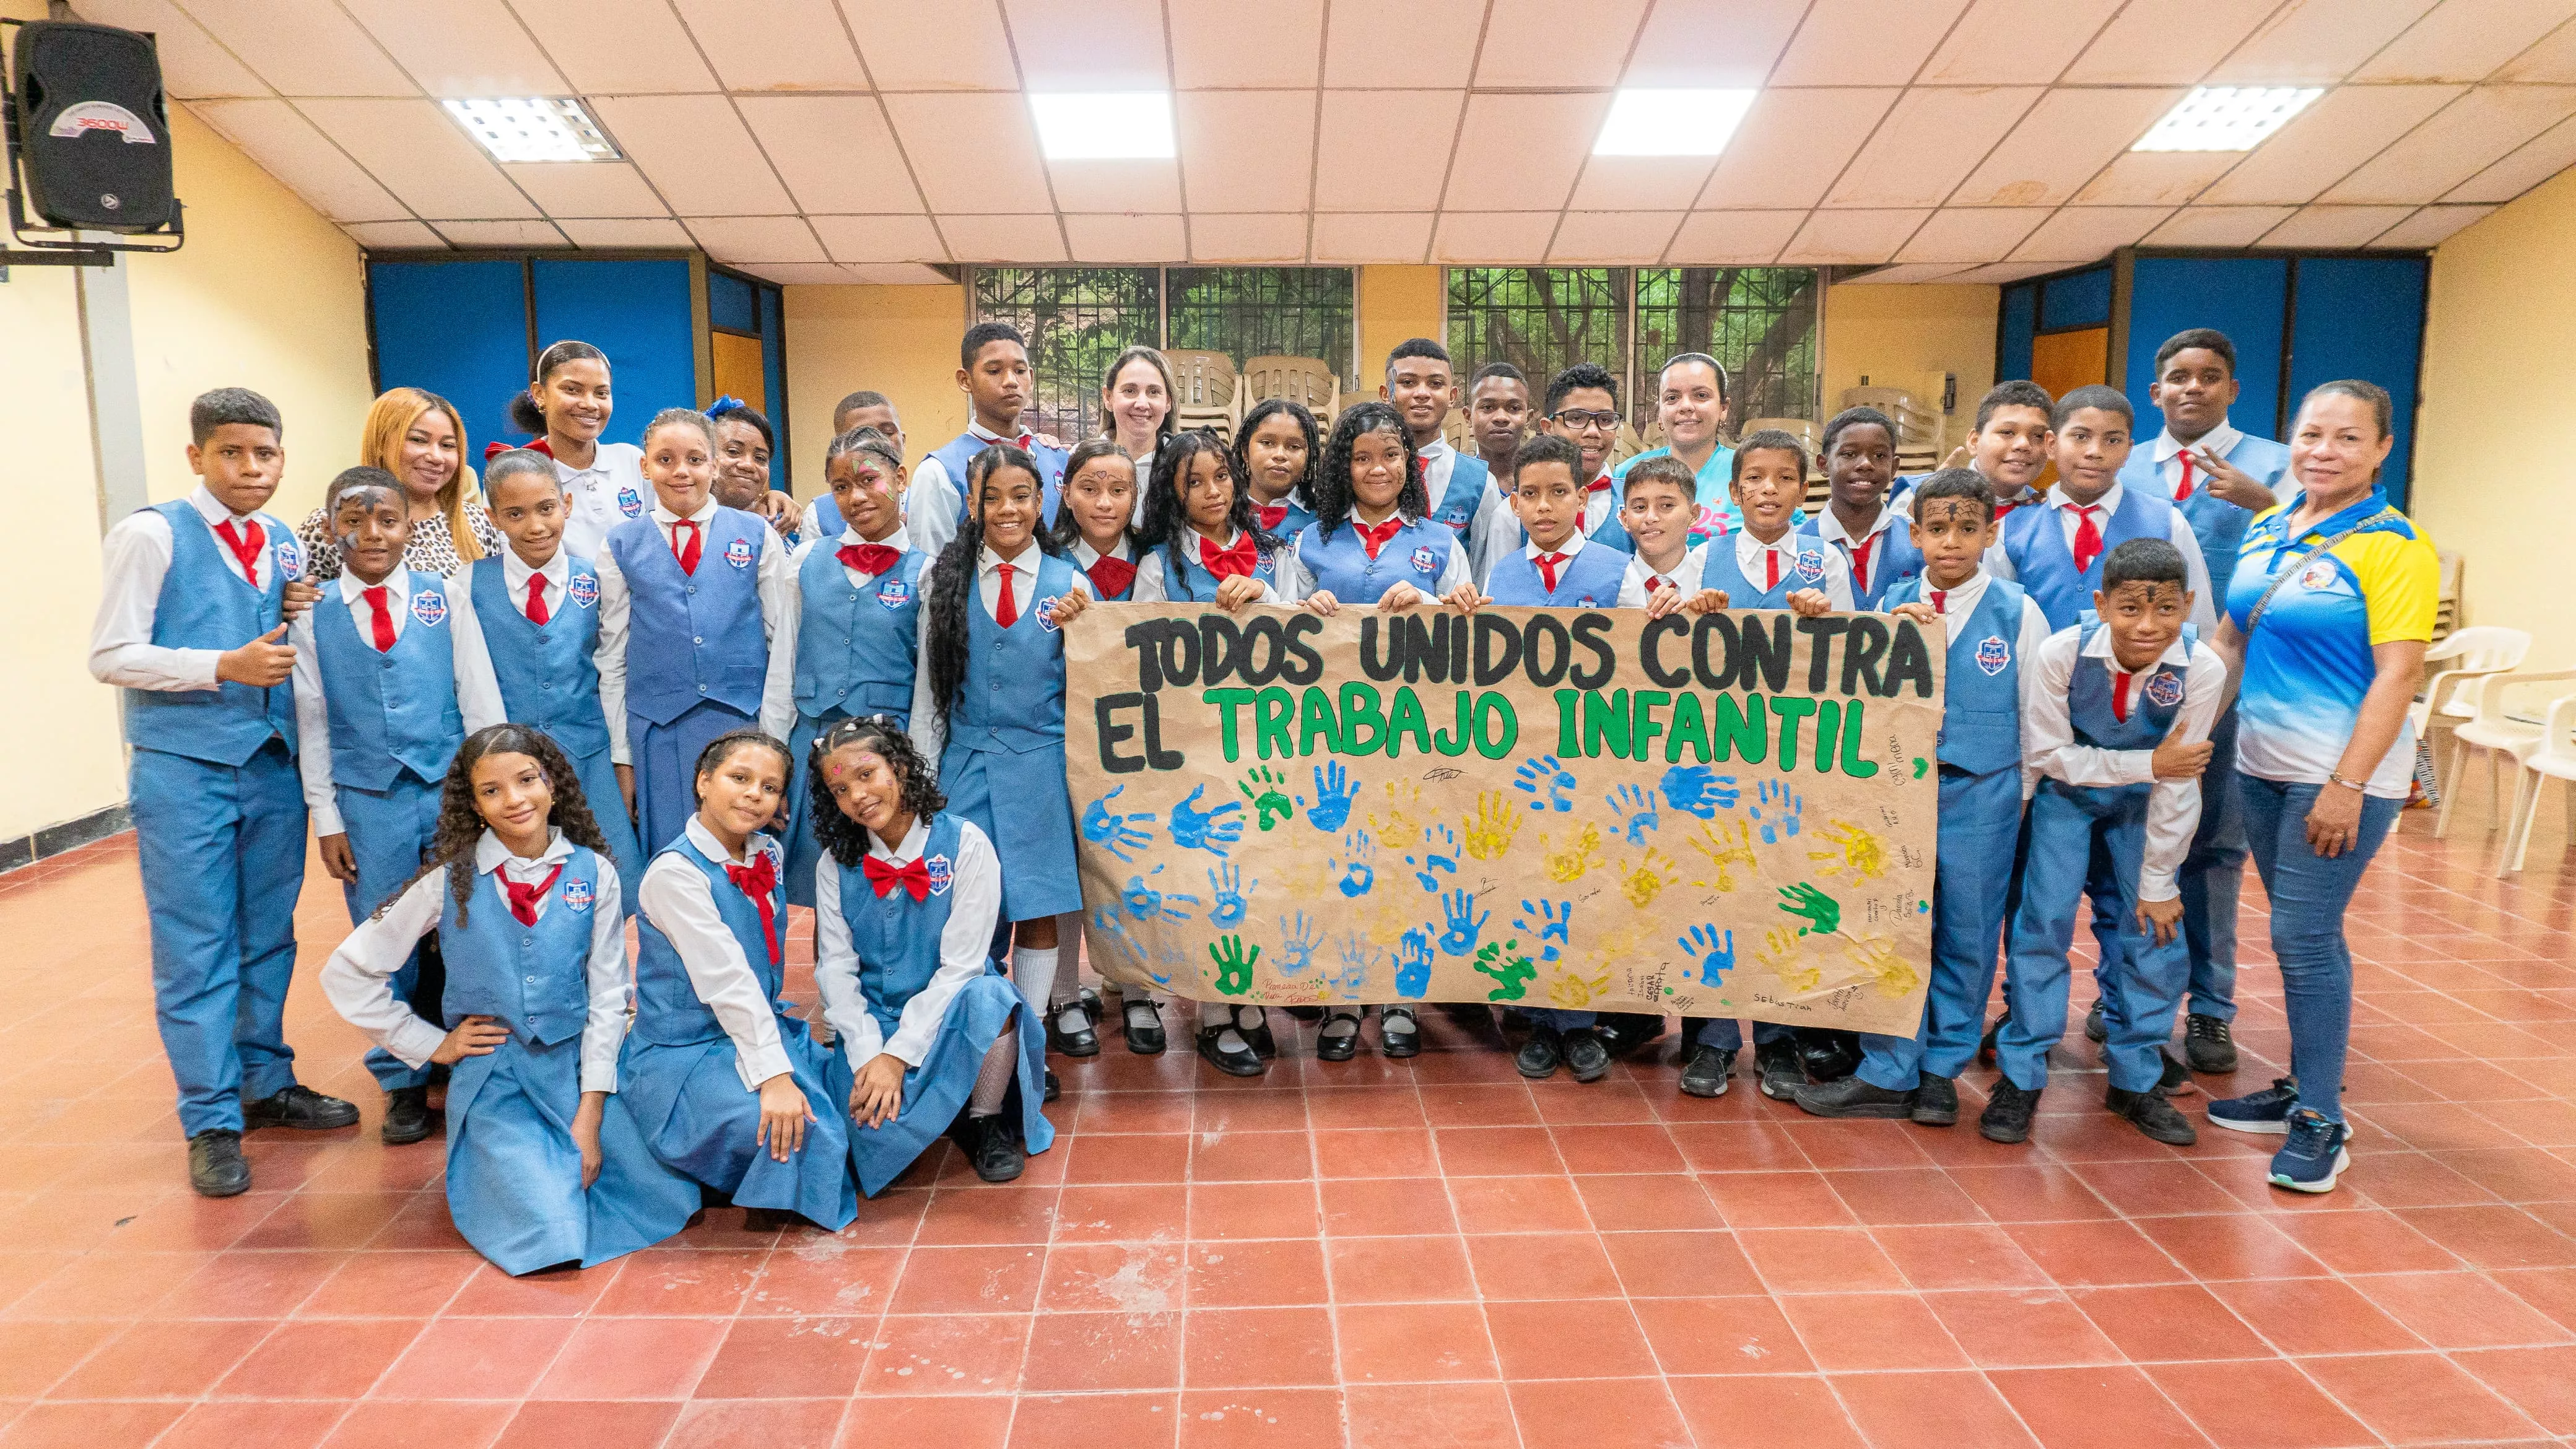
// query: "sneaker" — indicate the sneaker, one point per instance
point(2094, 1030)
point(302, 1108)
point(1781, 1070)
point(2150, 1113)
point(1585, 1056)
point(2266, 1113)
point(2208, 1044)
point(1852, 1097)
point(1936, 1101)
point(406, 1116)
point(2176, 1081)
point(1541, 1054)
point(1828, 1054)
point(2316, 1154)
point(1706, 1073)
point(2008, 1113)
point(215, 1165)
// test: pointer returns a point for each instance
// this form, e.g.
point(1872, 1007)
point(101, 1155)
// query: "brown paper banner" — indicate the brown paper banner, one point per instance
point(1727, 816)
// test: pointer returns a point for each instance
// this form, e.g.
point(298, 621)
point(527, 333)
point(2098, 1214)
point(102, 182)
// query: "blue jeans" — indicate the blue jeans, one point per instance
point(2212, 876)
point(2309, 894)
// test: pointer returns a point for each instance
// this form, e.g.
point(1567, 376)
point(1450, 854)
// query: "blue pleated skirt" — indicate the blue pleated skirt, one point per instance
point(936, 1091)
point(665, 758)
point(1019, 802)
point(698, 1118)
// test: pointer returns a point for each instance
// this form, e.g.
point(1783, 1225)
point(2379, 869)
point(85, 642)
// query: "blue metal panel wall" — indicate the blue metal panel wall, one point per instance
point(459, 329)
point(2020, 323)
point(2245, 297)
point(638, 313)
point(2363, 317)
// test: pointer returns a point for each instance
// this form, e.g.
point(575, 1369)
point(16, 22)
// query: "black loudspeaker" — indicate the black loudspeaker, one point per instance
point(91, 127)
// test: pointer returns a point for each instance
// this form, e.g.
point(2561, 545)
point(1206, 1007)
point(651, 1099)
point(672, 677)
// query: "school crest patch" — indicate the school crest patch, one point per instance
point(1811, 566)
point(1993, 655)
point(893, 592)
point(577, 896)
point(943, 874)
point(1046, 613)
point(630, 503)
point(2318, 575)
point(1425, 561)
point(584, 589)
point(2164, 690)
point(429, 606)
point(738, 553)
point(290, 557)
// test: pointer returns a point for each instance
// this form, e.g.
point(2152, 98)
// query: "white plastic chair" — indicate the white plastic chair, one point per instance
point(2552, 756)
point(2470, 654)
point(2489, 729)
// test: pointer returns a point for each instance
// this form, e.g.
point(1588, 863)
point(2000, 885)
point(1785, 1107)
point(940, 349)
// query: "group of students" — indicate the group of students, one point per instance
point(670, 697)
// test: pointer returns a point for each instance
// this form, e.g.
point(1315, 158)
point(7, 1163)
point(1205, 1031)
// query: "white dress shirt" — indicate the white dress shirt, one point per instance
point(933, 501)
point(358, 979)
point(791, 615)
point(975, 904)
point(312, 704)
point(590, 495)
point(1292, 582)
point(2049, 748)
point(1956, 605)
point(1084, 555)
point(2204, 608)
point(680, 901)
point(928, 734)
point(1684, 577)
point(2166, 452)
point(1750, 561)
point(478, 688)
point(135, 559)
point(1829, 528)
point(1150, 587)
point(778, 602)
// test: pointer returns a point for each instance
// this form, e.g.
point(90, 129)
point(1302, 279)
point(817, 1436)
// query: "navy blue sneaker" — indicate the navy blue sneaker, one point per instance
point(2266, 1112)
point(2315, 1155)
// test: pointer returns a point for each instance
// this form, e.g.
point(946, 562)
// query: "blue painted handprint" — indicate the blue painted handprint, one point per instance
point(1555, 919)
point(1439, 853)
point(1208, 830)
point(1121, 833)
point(1228, 884)
point(1148, 904)
point(1546, 781)
point(1359, 958)
point(1110, 935)
point(1357, 864)
point(1778, 813)
point(1296, 945)
point(1334, 792)
point(1698, 790)
point(1715, 950)
point(1465, 922)
point(1635, 806)
point(1413, 962)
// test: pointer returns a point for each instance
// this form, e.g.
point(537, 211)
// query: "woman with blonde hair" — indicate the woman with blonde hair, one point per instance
point(416, 436)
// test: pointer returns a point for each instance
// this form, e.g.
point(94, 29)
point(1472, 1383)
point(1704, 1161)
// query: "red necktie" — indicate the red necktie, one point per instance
point(524, 898)
point(1006, 612)
point(759, 880)
point(1771, 566)
point(1654, 582)
point(1373, 536)
point(1111, 576)
point(537, 612)
point(1940, 599)
point(244, 540)
point(869, 558)
point(2120, 695)
point(912, 875)
point(2088, 536)
point(687, 553)
point(1598, 485)
point(2182, 490)
point(1236, 562)
point(1860, 562)
point(375, 598)
point(1548, 564)
point(1272, 515)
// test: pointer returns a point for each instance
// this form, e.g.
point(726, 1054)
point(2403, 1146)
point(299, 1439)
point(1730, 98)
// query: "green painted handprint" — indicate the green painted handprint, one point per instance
point(1261, 786)
point(1233, 965)
point(1512, 973)
point(1823, 910)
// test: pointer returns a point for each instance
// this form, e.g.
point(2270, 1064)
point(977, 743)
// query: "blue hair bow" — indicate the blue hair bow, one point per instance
point(726, 404)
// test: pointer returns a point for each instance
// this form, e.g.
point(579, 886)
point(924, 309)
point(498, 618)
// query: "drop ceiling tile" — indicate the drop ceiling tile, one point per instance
point(2088, 233)
point(971, 152)
point(290, 148)
point(501, 234)
point(1904, 272)
point(1732, 238)
point(1106, 186)
point(1438, 49)
point(2316, 42)
point(1728, 43)
point(2066, 139)
point(1960, 236)
point(2148, 178)
point(697, 153)
point(2218, 226)
point(1090, 45)
point(618, 47)
point(1929, 142)
point(803, 274)
point(1372, 237)
point(1641, 183)
point(1127, 239)
point(1362, 130)
point(1791, 146)
point(1247, 238)
point(902, 274)
point(420, 155)
point(193, 66)
point(2001, 272)
point(1865, 42)
point(2551, 62)
point(2335, 226)
point(1247, 150)
point(1474, 237)
point(461, 47)
point(737, 240)
point(1247, 43)
point(1857, 238)
point(1003, 238)
point(1547, 43)
point(303, 47)
point(775, 45)
point(586, 188)
point(955, 45)
point(836, 153)
point(2431, 226)
point(2171, 42)
point(872, 239)
point(2472, 133)
point(393, 235)
point(1613, 238)
point(625, 232)
point(2463, 40)
point(2002, 41)
point(2538, 159)
point(1521, 152)
point(2345, 127)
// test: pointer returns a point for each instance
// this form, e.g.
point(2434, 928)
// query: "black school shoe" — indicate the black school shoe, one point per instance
point(2094, 1029)
point(299, 1107)
point(215, 1166)
point(1338, 1046)
point(1257, 1036)
point(1585, 1055)
point(993, 1145)
point(406, 1116)
point(2176, 1081)
point(1054, 1088)
point(1081, 1039)
point(1936, 1101)
point(1146, 1040)
point(2008, 1113)
point(1986, 1043)
point(1540, 1055)
point(1853, 1097)
point(1623, 1032)
point(1706, 1073)
point(2150, 1113)
point(2208, 1044)
point(1828, 1054)
point(1240, 1061)
point(1404, 1043)
point(1783, 1073)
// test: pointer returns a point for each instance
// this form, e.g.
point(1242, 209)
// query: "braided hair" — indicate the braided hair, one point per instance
point(1335, 500)
point(724, 746)
point(952, 575)
point(460, 826)
point(842, 838)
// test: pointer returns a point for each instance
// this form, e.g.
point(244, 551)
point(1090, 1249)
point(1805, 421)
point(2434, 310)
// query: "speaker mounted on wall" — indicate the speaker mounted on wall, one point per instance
point(89, 143)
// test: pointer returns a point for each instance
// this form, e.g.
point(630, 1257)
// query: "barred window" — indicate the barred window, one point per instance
point(1248, 312)
point(1541, 320)
point(1760, 322)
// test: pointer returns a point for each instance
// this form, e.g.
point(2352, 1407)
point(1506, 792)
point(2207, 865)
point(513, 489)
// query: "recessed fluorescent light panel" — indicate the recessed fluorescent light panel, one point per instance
point(1671, 123)
point(1104, 125)
point(2227, 118)
point(537, 128)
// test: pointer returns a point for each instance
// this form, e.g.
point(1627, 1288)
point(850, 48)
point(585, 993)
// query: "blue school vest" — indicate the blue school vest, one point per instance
point(1589, 580)
point(1892, 559)
point(534, 979)
point(1292, 522)
point(856, 644)
point(205, 605)
point(693, 637)
point(1191, 583)
point(394, 711)
point(1981, 689)
point(547, 675)
point(961, 450)
point(1012, 699)
point(2035, 541)
point(1457, 503)
point(2088, 710)
point(1720, 572)
point(895, 937)
point(667, 1009)
point(2217, 523)
point(1416, 555)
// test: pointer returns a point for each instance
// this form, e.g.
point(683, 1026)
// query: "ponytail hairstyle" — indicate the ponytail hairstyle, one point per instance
point(725, 746)
point(1301, 492)
point(1334, 499)
point(525, 414)
point(460, 827)
point(842, 838)
point(1167, 519)
point(681, 418)
point(513, 462)
point(952, 576)
point(1064, 533)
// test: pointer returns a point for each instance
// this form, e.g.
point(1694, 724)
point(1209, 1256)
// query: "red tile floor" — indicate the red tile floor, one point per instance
point(1372, 1254)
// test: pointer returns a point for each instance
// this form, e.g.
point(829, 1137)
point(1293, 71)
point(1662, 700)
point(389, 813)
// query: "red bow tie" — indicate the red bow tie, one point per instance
point(1373, 536)
point(759, 880)
point(1229, 563)
point(524, 897)
point(1024, 442)
point(912, 875)
point(1272, 515)
point(869, 558)
point(1110, 576)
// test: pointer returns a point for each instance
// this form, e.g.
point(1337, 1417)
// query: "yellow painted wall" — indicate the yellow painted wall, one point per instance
point(1397, 303)
point(900, 341)
point(2497, 375)
point(1907, 336)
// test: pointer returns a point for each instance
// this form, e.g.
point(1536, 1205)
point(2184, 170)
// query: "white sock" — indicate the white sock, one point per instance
point(1068, 971)
point(1033, 968)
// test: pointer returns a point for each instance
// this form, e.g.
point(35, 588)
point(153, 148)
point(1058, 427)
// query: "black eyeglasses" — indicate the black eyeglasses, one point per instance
point(1576, 418)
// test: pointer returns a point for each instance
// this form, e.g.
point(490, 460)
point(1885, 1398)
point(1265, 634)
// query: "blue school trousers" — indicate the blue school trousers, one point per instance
point(1980, 821)
point(2309, 894)
point(2068, 828)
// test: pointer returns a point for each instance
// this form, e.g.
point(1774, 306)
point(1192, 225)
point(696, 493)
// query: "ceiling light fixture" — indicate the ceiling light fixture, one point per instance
point(1671, 122)
point(2227, 118)
point(535, 128)
point(1104, 125)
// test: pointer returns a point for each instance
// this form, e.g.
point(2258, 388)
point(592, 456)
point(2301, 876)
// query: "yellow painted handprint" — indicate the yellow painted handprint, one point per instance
point(1570, 863)
point(1644, 879)
point(1850, 848)
point(1725, 854)
point(1573, 992)
point(1877, 956)
point(1401, 813)
point(1489, 831)
point(1780, 953)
